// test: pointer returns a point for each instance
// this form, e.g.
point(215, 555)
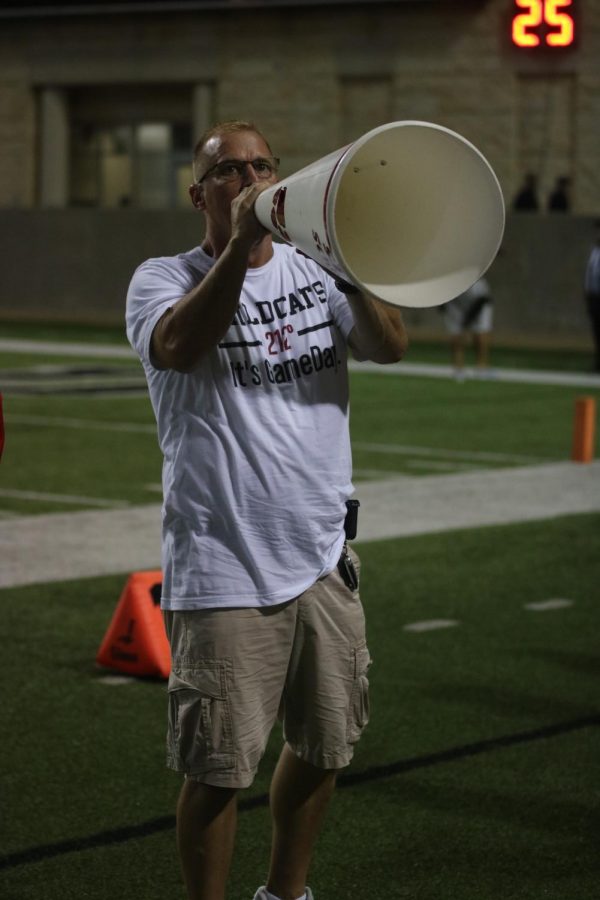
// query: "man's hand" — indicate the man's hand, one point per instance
point(245, 226)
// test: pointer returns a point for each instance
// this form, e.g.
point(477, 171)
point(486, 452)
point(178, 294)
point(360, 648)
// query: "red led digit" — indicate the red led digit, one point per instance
point(561, 20)
point(522, 22)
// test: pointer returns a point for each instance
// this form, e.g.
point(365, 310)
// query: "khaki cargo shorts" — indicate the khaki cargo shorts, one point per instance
point(234, 671)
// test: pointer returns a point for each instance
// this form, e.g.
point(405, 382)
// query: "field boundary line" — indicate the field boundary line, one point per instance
point(66, 348)
point(409, 450)
point(373, 773)
point(518, 376)
point(429, 370)
point(46, 497)
point(83, 424)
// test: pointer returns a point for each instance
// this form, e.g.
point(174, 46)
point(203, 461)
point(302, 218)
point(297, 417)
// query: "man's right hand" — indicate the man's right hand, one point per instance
point(244, 223)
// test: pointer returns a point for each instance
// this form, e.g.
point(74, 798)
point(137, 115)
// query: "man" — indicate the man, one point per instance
point(244, 346)
point(470, 313)
point(592, 294)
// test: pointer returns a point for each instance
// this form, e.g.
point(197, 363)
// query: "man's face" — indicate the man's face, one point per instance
point(214, 195)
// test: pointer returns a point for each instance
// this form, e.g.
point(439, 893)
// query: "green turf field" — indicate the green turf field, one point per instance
point(477, 778)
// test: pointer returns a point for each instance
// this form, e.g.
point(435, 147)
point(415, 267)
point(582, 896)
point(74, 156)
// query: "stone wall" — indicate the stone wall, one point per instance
point(315, 77)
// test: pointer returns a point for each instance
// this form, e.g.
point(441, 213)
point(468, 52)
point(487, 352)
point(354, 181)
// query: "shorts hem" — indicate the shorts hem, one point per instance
point(235, 780)
point(323, 761)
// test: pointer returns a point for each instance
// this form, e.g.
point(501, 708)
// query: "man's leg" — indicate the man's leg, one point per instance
point(458, 352)
point(300, 794)
point(206, 824)
point(482, 341)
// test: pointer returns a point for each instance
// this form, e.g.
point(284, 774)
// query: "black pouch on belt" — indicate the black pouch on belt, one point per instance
point(345, 566)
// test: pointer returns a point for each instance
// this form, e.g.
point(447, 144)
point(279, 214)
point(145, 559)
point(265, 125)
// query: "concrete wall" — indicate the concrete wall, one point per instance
point(76, 265)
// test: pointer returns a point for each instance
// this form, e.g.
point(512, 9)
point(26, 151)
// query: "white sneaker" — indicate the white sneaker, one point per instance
point(261, 894)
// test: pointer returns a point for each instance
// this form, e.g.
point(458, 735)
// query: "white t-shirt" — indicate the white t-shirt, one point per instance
point(256, 447)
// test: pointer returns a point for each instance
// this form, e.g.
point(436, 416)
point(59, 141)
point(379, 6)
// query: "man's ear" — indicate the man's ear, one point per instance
point(196, 192)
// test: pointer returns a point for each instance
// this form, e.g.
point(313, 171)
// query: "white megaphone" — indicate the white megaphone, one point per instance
point(411, 213)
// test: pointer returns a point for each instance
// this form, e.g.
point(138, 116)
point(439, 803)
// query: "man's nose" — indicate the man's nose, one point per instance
point(249, 176)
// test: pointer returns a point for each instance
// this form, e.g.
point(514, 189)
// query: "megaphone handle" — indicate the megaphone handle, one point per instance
point(345, 287)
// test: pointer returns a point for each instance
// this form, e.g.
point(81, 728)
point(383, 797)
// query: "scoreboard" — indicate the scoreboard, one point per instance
point(546, 24)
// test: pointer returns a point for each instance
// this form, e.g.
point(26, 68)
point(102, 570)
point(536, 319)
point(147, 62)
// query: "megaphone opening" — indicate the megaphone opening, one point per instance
point(416, 213)
point(411, 212)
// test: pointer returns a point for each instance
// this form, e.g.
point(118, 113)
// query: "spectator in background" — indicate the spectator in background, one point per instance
point(559, 199)
point(470, 313)
point(526, 199)
point(592, 294)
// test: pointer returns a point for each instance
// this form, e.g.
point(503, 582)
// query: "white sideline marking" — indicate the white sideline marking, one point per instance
point(66, 348)
point(62, 498)
point(377, 473)
point(544, 605)
point(431, 625)
point(85, 424)
point(519, 376)
point(115, 679)
point(408, 450)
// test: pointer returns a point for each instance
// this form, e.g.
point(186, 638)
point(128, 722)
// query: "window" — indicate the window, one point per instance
point(146, 165)
point(130, 145)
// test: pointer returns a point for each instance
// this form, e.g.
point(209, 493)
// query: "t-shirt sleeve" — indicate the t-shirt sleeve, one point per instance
point(155, 287)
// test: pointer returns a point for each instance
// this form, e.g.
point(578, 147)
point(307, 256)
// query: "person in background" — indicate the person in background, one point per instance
point(471, 313)
point(559, 199)
point(244, 345)
point(592, 293)
point(526, 199)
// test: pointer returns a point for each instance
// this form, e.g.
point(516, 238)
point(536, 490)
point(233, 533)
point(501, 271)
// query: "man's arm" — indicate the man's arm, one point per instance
point(378, 333)
point(196, 323)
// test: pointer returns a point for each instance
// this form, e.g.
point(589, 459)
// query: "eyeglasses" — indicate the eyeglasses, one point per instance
point(232, 169)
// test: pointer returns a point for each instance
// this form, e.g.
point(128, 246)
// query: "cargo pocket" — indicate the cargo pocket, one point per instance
point(200, 735)
point(358, 714)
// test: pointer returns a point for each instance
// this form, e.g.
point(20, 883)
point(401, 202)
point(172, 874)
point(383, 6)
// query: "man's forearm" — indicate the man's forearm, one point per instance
point(379, 333)
point(196, 323)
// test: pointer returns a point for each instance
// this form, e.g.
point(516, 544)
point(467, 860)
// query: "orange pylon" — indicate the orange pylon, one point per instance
point(584, 429)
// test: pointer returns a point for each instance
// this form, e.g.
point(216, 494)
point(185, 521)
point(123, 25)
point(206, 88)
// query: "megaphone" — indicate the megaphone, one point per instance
point(411, 213)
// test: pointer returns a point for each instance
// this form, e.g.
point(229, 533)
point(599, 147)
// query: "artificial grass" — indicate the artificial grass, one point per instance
point(83, 757)
point(525, 423)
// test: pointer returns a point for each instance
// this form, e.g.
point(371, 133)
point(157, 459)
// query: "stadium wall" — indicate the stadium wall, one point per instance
point(75, 265)
point(313, 78)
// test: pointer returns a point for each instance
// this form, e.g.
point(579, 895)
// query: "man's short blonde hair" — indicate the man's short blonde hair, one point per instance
point(221, 128)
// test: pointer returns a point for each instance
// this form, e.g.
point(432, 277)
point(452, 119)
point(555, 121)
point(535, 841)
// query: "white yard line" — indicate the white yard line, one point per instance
point(444, 453)
point(381, 448)
point(521, 376)
point(110, 351)
point(83, 424)
point(62, 498)
point(66, 348)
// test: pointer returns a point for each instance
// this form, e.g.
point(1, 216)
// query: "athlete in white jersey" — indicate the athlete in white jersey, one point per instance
point(244, 347)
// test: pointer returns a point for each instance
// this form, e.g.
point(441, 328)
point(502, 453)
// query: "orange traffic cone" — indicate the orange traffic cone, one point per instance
point(136, 642)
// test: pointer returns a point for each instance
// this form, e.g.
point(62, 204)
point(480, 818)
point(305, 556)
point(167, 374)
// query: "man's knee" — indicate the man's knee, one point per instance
point(206, 801)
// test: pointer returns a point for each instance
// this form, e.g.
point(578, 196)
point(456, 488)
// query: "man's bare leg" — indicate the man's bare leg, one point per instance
point(458, 352)
point(482, 349)
point(300, 794)
point(206, 824)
